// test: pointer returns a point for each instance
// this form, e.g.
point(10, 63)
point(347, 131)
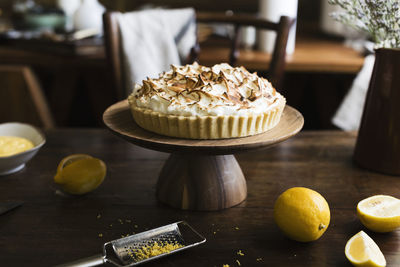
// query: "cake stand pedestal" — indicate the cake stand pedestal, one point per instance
point(200, 174)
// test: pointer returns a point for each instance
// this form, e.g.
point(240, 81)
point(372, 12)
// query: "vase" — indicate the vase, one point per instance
point(378, 141)
point(89, 15)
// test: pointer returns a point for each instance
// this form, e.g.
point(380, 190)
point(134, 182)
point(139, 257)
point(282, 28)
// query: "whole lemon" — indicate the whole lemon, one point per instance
point(79, 174)
point(302, 214)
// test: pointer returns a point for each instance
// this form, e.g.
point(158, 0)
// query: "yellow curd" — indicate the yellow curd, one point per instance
point(11, 145)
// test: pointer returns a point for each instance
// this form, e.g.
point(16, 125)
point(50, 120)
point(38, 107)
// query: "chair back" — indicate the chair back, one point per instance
point(112, 40)
point(282, 28)
point(22, 98)
point(277, 65)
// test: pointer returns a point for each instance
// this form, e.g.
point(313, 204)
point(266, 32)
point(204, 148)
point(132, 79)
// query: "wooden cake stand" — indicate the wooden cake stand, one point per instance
point(200, 174)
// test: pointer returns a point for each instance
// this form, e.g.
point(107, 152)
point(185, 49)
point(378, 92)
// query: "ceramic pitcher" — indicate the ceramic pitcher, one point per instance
point(378, 142)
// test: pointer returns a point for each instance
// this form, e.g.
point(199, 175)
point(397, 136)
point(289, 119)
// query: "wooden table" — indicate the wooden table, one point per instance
point(310, 55)
point(51, 228)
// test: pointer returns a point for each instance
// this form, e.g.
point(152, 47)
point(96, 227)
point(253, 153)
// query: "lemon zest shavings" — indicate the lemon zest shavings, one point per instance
point(154, 249)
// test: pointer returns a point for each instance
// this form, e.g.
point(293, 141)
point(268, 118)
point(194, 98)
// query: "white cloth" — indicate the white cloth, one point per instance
point(348, 116)
point(154, 39)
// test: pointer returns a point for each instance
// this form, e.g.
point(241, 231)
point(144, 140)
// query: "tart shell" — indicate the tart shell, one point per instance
point(207, 127)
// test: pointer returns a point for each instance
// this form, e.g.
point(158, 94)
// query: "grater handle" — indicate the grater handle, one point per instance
point(86, 262)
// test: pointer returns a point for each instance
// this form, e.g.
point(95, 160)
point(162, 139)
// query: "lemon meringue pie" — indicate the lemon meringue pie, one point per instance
point(199, 102)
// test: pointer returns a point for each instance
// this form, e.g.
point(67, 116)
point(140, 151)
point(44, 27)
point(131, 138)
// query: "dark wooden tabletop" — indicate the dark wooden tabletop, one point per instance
point(51, 228)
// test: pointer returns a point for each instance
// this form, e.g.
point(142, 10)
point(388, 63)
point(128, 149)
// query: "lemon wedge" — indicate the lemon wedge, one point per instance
point(379, 213)
point(80, 173)
point(361, 250)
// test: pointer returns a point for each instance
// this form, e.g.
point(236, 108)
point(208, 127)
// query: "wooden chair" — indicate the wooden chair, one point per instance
point(112, 40)
point(22, 99)
point(282, 28)
point(114, 53)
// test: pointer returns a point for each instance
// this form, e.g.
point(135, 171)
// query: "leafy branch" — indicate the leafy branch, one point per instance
point(379, 18)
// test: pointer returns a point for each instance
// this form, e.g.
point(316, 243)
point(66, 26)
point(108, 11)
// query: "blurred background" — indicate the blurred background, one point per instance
point(60, 43)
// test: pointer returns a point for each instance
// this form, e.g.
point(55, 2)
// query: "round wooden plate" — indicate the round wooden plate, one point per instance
point(118, 118)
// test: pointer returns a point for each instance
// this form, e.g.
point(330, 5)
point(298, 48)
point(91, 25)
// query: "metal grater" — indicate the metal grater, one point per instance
point(121, 252)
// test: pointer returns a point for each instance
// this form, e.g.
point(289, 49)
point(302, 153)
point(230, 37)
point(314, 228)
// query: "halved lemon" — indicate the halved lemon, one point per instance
point(66, 161)
point(80, 173)
point(379, 213)
point(361, 250)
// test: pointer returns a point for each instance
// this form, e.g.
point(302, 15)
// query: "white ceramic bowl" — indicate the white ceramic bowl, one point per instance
point(17, 162)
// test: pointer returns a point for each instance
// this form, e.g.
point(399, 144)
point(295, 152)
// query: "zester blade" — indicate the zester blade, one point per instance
point(126, 249)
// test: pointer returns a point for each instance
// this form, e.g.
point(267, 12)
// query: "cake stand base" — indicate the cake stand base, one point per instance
point(200, 174)
point(201, 182)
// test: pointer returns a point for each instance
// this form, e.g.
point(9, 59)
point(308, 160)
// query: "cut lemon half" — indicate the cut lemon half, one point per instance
point(66, 161)
point(361, 250)
point(80, 173)
point(379, 213)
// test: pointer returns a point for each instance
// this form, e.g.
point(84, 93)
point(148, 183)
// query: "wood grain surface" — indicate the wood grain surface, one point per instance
point(118, 119)
point(310, 55)
point(51, 228)
point(201, 182)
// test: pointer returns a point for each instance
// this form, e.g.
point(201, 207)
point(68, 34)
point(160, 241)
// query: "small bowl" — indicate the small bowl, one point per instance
point(17, 162)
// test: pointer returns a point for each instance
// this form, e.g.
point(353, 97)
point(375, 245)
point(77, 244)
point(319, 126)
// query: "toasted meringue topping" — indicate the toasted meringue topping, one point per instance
point(195, 90)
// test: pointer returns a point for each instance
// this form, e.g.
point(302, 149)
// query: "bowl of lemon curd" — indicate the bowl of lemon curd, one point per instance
point(19, 142)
